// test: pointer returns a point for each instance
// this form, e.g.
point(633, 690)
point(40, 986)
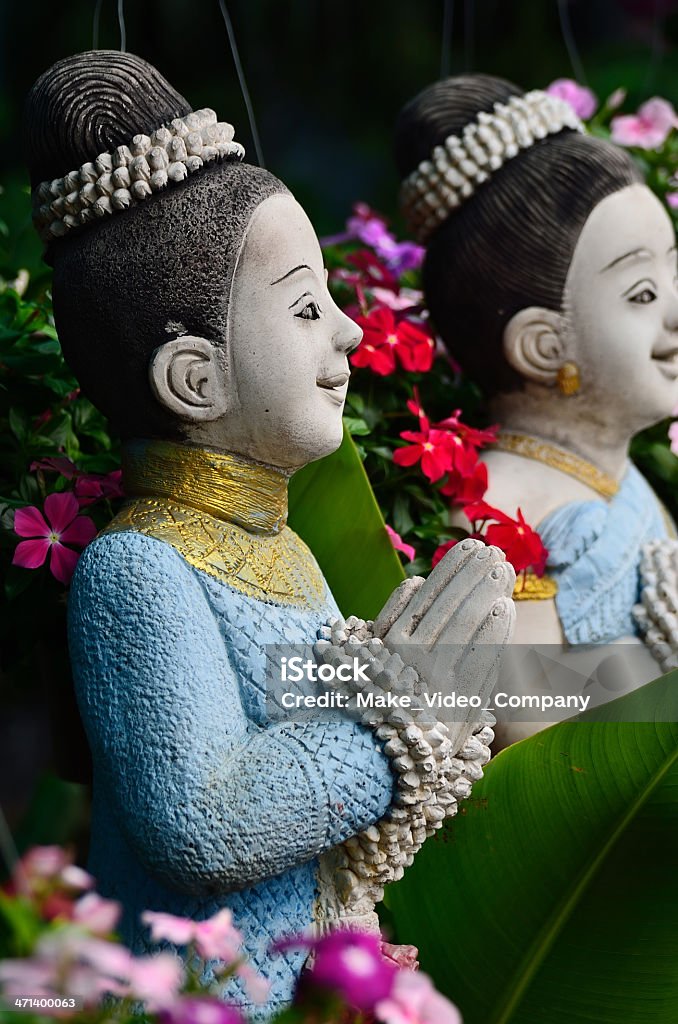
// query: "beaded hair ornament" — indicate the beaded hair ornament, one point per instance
point(128, 175)
point(456, 168)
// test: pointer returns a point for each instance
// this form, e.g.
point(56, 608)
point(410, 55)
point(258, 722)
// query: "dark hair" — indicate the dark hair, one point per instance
point(511, 243)
point(125, 284)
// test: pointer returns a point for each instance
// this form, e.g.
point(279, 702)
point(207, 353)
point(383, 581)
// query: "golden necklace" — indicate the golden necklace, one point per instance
point(559, 458)
point(224, 515)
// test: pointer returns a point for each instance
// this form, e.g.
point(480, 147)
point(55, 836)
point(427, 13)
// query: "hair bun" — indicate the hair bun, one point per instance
point(442, 109)
point(91, 103)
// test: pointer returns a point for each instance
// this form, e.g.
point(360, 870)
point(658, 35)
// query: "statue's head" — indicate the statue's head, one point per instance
point(559, 254)
point(192, 303)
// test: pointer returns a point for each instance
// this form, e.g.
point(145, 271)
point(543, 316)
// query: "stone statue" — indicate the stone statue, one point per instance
point(551, 275)
point(191, 302)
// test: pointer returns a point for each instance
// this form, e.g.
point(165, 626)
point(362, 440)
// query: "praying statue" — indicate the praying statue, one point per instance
point(192, 304)
point(550, 273)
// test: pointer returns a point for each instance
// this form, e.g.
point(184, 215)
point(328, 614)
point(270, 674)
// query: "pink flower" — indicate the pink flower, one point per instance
point(45, 873)
point(672, 200)
point(673, 436)
point(215, 939)
point(98, 915)
point(648, 128)
point(582, 100)
point(201, 1010)
point(399, 544)
point(155, 980)
point(414, 1000)
point(50, 533)
point(91, 487)
point(615, 99)
point(350, 963)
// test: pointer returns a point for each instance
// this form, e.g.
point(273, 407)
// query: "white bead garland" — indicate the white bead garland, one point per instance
point(439, 185)
point(128, 175)
point(432, 775)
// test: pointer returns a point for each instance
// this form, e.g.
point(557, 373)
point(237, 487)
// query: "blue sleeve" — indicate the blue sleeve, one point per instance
point(209, 800)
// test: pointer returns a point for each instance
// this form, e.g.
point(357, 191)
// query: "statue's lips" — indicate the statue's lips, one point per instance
point(667, 363)
point(335, 386)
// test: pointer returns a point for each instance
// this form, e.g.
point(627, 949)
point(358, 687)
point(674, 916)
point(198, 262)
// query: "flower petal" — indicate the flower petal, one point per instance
point(62, 563)
point(61, 509)
point(80, 532)
point(30, 522)
point(30, 554)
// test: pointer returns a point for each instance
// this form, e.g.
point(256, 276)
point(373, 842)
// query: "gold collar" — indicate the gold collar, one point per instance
point(225, 516)
point(559, 458)
point(227, 487)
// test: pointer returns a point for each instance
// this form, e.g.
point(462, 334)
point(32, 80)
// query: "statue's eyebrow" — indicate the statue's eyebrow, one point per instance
point(639, 253)
point(302, 266)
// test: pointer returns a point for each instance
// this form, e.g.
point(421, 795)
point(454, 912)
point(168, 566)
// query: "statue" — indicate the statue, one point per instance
point(191, 303)
point(551, 276)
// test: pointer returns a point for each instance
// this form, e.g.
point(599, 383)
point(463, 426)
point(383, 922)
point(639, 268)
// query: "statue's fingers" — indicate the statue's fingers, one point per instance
point(396, 605)
point(458, 611)
point(446, 570)
point(475, 673)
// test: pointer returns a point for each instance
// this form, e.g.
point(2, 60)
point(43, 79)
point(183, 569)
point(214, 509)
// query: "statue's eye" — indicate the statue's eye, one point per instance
point(643, 297)
point(311, 311)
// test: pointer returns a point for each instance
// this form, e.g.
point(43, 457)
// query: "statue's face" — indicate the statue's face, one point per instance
point(287, 344)
point(621, 305)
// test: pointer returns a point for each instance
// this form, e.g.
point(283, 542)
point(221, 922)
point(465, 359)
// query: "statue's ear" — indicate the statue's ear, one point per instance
point(535, 345)
point(188, 378)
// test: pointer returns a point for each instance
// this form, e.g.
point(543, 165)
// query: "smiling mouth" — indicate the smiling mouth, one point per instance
point(668, 363)
point(336, 386)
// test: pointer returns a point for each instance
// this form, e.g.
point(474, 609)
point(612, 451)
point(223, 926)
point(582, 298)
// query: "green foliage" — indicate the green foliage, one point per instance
point(554, 896)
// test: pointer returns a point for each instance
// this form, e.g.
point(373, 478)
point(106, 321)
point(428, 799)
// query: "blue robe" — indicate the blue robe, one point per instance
point(199, 801)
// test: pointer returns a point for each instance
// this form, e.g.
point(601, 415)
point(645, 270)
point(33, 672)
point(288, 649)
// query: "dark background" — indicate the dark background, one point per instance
point(327, 78)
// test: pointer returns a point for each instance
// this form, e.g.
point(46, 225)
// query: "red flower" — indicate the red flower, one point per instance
point(384, 339)
point(431, 447)
point(372, 270)
point(50, 533)
point(520, 543)
point(469, 489)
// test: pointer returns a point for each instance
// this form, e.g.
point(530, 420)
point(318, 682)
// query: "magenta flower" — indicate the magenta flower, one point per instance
point(582, 100)
point(672, 200)
point(350, 963)
point(49, 534)
point(648, 128)
point(414, 1000)
point(673, 437)
point(201, 1010)
point(399, 544)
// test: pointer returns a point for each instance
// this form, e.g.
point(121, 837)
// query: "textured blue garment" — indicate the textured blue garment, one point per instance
point(594, 554)
point(199, 801)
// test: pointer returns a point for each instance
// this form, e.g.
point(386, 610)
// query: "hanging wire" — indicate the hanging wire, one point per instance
point(446, 43)
point(469, 33)
point(121, 23)
point(95, 24)
point(243, 83)
point(570, 45)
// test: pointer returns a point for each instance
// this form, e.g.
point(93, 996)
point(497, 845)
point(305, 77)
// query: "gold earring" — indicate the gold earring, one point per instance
point(568, 379)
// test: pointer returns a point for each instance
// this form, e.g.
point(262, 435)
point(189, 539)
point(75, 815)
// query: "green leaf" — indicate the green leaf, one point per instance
point(355, 426)
point(333, 509)
point(554, 895)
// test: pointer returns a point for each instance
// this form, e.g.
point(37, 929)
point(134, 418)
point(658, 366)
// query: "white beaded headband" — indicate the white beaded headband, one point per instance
point(439, 185)
point(128, 175)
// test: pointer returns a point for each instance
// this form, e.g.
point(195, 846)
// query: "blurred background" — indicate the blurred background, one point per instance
point(327, 79)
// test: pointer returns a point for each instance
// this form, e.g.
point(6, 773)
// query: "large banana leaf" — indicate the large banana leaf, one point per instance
point(333, 508)
point(553, 897)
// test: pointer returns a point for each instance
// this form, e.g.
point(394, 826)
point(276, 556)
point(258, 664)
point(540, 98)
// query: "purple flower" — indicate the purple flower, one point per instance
point(351, 964)
point(648, 128)
point(582, 100)
point(200, 1010)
